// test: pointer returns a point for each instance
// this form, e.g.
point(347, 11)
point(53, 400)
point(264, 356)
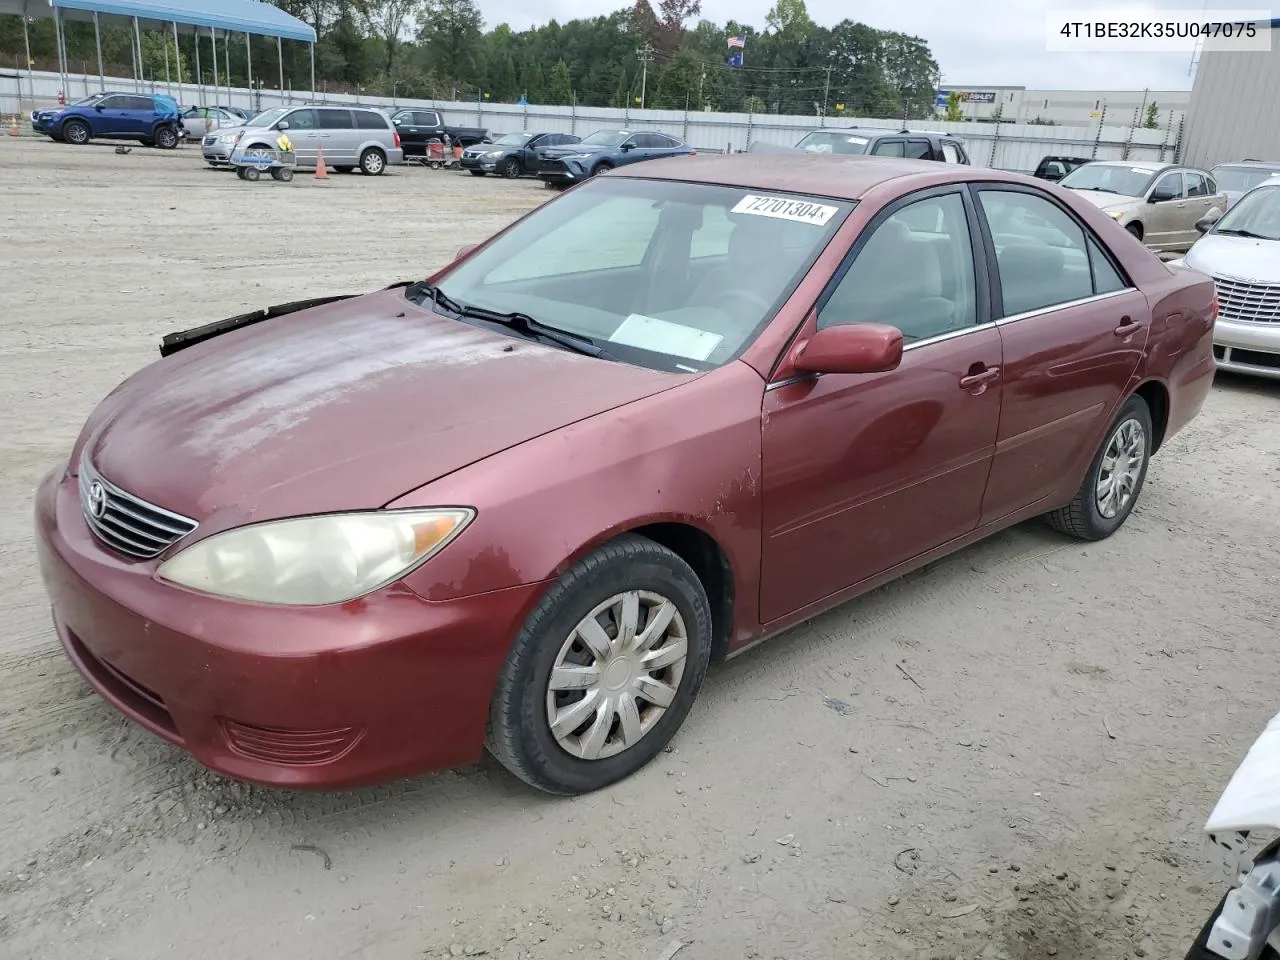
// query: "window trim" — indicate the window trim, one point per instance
point(997, 293)
point(981, 287)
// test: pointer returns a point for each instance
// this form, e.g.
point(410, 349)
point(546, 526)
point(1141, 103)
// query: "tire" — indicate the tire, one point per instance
point(283, 174)
point(511, 168)
point(520, 733)
point(1134, 228)
point(373, 162)
point(166, 138)
point(76, 132)
point(477, 173)
point(240, 172)
point(600, 168)
point(252, 174)
point(1085, 518)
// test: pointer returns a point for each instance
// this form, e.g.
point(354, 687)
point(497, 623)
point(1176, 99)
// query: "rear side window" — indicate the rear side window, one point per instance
point(1106, 279)
point(951, 153)
point(919, 150)
point(135, 103)
point(368, 120)
point(427, 119)
point(331, 119)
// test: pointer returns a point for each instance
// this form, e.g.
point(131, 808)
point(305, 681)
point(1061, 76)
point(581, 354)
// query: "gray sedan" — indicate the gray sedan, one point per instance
point(199, 121)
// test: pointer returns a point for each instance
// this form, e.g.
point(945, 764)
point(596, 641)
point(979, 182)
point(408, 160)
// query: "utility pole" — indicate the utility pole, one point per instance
point(826, 92)
point(644, 55)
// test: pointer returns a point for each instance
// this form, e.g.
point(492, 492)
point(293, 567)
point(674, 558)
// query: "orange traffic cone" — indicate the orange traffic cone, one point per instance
point(13, 127)
point(322, 172)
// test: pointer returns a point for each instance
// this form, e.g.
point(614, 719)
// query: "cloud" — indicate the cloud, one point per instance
point(999, 42)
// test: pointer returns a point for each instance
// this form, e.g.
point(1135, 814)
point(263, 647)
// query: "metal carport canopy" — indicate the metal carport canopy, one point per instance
point(236, 16)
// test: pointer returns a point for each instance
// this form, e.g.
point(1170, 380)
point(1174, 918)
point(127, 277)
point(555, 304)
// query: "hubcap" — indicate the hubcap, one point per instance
point(616, 674)
point(1120, 468)
point(374, 163)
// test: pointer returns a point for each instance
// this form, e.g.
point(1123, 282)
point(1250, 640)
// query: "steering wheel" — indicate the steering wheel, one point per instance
point(747, 298)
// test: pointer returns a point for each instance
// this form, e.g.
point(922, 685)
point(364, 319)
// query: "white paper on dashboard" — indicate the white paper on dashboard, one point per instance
point(786, 208)
point(661, 336)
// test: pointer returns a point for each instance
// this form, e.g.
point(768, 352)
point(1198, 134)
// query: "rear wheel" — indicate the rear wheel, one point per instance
point(76, 132)
point(373, 162)
point(604, 671)
point(166, 138)
point(1114, 482)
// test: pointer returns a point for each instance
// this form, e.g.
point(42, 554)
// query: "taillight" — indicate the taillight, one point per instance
point(395, 138)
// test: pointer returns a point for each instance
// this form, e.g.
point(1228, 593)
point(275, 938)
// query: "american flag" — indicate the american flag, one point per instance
point(738, 42)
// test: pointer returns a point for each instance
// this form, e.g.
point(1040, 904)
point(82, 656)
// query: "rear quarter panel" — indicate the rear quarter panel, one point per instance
point(689, 455)
point(1180, 347)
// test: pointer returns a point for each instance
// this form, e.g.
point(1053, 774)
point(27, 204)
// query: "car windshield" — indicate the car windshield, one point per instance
point(1256, 214)
point(92, 98)
point(825, 141)
point(660, 273)
point(267, 117)
point(1240, 179)
point(513, 140)
point(1109, 178)
point(605, 138)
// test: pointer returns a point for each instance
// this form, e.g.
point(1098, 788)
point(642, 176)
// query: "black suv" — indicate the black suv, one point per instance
point(878, 142)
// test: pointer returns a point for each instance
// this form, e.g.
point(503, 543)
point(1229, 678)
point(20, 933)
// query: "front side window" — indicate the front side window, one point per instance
point(1169, 187)
point(302, 120)
point(1109, 178)
point(890, 148)
point(1041, 251)
point(662, 273)
point(915, 272)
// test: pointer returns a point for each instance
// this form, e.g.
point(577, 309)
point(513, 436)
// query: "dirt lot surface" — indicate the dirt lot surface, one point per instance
point(1008, 755)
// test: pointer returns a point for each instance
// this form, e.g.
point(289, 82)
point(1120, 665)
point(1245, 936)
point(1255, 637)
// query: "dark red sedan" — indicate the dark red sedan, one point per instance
point(674, 411)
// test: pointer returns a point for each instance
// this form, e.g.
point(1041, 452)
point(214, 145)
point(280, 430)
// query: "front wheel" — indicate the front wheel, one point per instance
point(604, 671)
point(1134, 228)
point(1115, 478)
point(511, 169)
point(601, 168)
point(76, 132)
point(372, 162)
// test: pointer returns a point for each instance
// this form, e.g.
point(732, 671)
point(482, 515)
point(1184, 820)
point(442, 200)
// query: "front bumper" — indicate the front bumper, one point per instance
point(488, 165)
point(561, 171)
point(1251, 348)
point(41, 125)
point(216, 152)
point(323, 697)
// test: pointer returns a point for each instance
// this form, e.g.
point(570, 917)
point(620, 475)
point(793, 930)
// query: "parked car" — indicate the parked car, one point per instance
point(877, 142)
point(419, 126)
point(514, 155)
point(198, 122)
point(350, 137)
point(1055, 168)
point(604, 150)
point(1159, 203)
point(1235, 179)
point(151, 120)
point(1241, 252)
point(675, 411)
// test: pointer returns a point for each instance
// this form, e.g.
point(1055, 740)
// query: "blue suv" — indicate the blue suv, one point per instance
point(604, 150)
point(152, 120)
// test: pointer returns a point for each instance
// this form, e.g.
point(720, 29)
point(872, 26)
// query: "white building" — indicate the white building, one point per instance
point(1069, 107)
point(1234, 112)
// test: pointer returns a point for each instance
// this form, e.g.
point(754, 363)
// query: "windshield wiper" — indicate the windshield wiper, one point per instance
point(423, 293)
point(1245, 233)
point(1099, 189)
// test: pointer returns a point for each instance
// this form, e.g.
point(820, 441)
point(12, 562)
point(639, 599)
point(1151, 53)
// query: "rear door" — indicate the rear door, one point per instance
point(919, 149)
point(954, 152)
point(339, 137)
point(1165, 222)
point(1199, 197)
point(1073, 329)
point(412, 137)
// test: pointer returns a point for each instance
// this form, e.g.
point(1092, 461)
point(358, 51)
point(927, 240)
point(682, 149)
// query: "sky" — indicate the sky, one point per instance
point(996, 42)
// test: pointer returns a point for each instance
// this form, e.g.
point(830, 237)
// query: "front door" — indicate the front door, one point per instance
point(1073, 329)
point(864, 472)
point(304, 133)
point(1165, 221)
point(109, 117)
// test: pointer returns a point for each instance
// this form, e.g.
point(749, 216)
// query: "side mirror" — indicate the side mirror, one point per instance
point(1205, 224)
point(851, 348)
point(98, 107)
point(1161, 196)
point(282, 125)
point(628, 147)
point(464, 250)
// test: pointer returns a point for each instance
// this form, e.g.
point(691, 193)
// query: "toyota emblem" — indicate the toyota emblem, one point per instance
point(97, 500)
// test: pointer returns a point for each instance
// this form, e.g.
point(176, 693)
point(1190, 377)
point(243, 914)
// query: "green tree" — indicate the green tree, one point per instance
point(789, 17)
point(155, 48)
point(386, 20)
point(560, 87)
point(678, 84)
point(450, 34)
point(1153, 116)
point(954, 114)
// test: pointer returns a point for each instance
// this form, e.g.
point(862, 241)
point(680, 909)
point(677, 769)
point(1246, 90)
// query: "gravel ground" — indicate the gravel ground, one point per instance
point(1006, 755)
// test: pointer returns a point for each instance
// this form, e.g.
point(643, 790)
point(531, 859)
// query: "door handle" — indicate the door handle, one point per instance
point(1128, 326)
point(980, 378)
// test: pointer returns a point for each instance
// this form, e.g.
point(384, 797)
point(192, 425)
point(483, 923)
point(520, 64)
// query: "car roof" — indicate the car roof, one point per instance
point(840, 176)
point(1149, 165)
point(1264, 164)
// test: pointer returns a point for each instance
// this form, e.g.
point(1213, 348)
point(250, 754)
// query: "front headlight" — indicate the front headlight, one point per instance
point(576, 156)
point(311, 561)
point(230, 138)
point(1116, 214)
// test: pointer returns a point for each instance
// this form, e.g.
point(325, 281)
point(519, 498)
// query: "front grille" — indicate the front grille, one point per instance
point(1248, 302)
point(125, 523)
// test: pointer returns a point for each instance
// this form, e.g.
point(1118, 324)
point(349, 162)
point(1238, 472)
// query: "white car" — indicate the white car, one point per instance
point(1241, 251)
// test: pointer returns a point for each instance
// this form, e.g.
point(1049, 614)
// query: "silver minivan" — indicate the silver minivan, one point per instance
point(349, 137)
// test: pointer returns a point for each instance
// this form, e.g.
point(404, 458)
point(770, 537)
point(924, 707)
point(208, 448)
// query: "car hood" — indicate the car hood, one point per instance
point(1238, 258)
point(341, 407)
point(240, 130)
point(1106, 201)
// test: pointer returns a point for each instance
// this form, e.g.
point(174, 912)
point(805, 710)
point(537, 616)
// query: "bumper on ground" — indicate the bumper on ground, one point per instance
point(325, 697)
point(1252, 348)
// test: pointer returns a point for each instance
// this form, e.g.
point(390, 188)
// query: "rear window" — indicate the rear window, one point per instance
point(368, 120)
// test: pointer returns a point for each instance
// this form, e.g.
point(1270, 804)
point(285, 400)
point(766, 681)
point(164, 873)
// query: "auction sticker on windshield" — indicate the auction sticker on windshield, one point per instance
point(783, 208)
point(662, 336)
